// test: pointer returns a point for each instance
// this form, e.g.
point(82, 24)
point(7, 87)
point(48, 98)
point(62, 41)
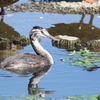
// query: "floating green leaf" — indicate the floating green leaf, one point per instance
point(84, 97)
point(84, 59)
point(77, 97)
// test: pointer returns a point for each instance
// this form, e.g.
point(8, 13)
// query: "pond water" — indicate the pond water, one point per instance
point(62, 78)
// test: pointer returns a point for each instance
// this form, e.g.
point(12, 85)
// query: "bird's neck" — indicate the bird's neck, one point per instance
point(41, 51)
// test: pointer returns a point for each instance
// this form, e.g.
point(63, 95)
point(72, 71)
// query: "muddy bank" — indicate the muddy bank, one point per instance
point(61, 7)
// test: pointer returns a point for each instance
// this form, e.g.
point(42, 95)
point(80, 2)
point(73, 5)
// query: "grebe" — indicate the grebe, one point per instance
point(29, 60)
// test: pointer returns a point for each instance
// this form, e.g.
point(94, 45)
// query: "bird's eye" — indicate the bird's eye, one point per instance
point(35, 34)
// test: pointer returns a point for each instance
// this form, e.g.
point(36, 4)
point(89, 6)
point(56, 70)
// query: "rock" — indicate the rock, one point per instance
point(66, 42)
point(61, 7)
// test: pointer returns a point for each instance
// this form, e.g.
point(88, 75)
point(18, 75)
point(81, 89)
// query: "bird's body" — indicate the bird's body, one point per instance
point(5, 3)
point(24, 60)
point(29, 60)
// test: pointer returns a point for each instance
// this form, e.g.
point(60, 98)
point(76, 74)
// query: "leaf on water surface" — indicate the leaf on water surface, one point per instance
point(76, 63)
point(68, 59)
point(86, 59)
point(21, 98)
point(77, 97)
point(84, 97)
point(87, 62)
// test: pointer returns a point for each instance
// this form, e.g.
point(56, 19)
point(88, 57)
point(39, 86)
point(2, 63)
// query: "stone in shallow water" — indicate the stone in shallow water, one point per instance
point(66, 37)
point(67, 42)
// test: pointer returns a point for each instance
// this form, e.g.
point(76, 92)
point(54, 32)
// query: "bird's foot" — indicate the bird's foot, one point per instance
point(90, 1)
point(6, 15)
point(9, 15)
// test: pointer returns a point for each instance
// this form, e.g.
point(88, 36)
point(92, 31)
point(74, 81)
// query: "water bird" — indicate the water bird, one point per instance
point(5, 3)
point(30, 60)
point(86, 50)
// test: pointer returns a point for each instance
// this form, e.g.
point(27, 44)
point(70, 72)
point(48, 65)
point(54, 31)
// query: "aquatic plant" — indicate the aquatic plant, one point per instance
point(84, 97)
point(77, 97)
point(84, 59)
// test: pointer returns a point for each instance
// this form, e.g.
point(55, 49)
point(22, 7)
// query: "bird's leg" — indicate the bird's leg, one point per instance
point(2, 11)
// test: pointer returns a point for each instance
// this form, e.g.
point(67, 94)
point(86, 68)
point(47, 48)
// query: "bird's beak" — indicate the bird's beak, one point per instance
point(45, 32)
point(53, 38)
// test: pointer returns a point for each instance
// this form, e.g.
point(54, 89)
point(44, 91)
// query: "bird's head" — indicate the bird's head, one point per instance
point(38, 32)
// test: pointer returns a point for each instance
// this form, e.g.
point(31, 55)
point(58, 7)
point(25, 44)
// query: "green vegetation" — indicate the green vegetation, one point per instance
point(85, 59)
point(77, 97)
point(84, 97)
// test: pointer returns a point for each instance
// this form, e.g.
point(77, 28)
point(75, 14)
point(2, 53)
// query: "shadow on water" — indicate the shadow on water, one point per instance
point(87, 33)
point(91, 68)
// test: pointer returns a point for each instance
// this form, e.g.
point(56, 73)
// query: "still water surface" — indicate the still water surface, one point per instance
point(63, 79)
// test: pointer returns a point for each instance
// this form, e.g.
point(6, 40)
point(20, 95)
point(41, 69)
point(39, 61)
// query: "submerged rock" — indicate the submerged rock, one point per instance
point(94, 43)
point(23, 41)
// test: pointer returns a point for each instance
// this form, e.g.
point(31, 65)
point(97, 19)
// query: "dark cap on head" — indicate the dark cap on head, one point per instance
point(37, 27)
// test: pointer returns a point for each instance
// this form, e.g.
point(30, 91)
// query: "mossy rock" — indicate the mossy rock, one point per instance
point(66, 42)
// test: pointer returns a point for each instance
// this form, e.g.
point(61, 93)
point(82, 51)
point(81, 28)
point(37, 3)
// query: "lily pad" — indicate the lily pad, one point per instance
point(84, 97)
point(77, 97)
point(84, 59)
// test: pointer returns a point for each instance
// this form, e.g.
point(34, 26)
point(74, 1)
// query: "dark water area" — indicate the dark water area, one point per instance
point(61, 79)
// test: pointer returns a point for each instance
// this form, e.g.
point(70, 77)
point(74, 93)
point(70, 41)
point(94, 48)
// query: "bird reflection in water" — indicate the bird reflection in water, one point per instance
point(38, 73)
point(33, 88)
point(90, 21)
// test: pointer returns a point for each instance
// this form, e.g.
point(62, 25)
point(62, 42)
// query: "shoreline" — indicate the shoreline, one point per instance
point(61, 7)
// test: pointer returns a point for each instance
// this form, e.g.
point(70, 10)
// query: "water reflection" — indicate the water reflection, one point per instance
point(86, 32)
point(33, 88)
point(38, 73)
point(10, 41)
point(91, 68)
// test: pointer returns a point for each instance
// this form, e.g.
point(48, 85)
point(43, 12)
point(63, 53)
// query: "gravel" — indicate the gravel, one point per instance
point(61, 7)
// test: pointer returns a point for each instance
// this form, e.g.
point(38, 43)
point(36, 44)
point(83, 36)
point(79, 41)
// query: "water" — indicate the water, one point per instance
point(63, 79)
